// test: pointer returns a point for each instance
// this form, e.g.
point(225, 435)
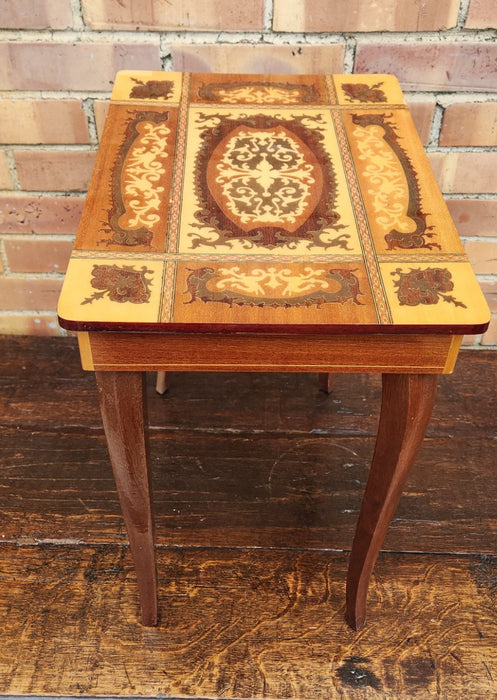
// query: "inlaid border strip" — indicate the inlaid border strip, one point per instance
point(220, 257)
point(331, 90)
point(168, 292)
point(262, 257)
point(175, 212)
point(370, 259)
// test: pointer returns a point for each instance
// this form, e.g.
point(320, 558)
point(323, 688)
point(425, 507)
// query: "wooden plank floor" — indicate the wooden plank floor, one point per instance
point(257, 483)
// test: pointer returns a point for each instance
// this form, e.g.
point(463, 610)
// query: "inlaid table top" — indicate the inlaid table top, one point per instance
point(280, 203)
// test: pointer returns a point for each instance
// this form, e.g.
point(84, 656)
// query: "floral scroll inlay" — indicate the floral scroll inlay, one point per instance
point(151, 89)
point(137, 177)
point(120, 283)
point(361, 92)
point(258, 93)
point(265, 180)
point(273, 287)
point(425, 287)
point(394, 186)
point(142, 170)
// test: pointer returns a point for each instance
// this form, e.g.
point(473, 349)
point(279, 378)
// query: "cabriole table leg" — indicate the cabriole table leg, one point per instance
point(121, 396)
point(326, 382)
point(407, 402)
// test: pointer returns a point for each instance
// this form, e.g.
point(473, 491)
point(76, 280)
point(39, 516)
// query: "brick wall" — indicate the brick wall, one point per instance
point(58, 59)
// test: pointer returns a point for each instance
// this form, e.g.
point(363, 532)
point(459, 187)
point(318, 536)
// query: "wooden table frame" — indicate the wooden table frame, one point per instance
point(266, 224)
point(407, 398)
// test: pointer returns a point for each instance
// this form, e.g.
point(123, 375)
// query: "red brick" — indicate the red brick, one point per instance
point(27, 255)
point(489, 288)
point(469, 341)
point(35, 14)
point(363, 16)
point(466, 171)
point(474, 217)
point(100, 107)
point(482, 15)
point(56, 66)
point(54, 170)
point(40, 214)
point(6, 182)
point(470, 124)
point(263, 58)
point(483, 256)
point(43, 121)
point(490, 337)
point(422, 114)
point(29, 323)
point(18, 294)
point(432, 66)
point(198, 15)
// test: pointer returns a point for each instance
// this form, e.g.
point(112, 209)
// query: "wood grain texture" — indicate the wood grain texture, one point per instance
point(265, 457)
point(121, 398)
point(246, 490)
point(406, 405)
point(430, 354)
point(258, 481)
point(244, 624)
point(220, 402)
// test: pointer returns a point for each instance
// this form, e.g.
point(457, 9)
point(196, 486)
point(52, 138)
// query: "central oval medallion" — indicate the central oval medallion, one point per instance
point(264, 177)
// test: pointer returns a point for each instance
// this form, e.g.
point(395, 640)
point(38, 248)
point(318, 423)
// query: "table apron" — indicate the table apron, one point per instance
point(206, 352)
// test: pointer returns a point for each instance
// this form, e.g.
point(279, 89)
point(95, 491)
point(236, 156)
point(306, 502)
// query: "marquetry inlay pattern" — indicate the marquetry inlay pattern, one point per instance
point(279, 202)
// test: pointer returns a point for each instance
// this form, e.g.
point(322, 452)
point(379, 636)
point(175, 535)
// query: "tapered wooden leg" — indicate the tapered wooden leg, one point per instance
point(325, 382)
point(162, 383)
point(407, 402)
point(121, 396)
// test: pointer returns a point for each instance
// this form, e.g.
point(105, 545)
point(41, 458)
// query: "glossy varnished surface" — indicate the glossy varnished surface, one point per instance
point(267, 203)
point(257, 487)
point(124, 425)
point(269, 352)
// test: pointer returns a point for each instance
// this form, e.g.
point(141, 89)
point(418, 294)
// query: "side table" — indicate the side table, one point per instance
point(266, 224)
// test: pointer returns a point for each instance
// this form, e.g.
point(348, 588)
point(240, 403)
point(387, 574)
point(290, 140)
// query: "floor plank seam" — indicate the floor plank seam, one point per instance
point(20, 544)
